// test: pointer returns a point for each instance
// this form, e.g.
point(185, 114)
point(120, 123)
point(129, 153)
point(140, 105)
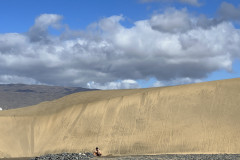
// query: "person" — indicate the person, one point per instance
point(97, 152)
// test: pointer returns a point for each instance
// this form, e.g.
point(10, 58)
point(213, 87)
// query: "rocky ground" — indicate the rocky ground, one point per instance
point(78, 156)
point(65, 156)
point(89, 156)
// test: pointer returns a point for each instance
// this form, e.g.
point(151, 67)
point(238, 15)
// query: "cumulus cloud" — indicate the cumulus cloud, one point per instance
point(110, 56)
point(39, 31)
point(124, 84)
point(227, 11)
point(190, 2)
point(178, 81)
point(158, 84)
point(174, 21)
point(171, 21)
point(13, 79)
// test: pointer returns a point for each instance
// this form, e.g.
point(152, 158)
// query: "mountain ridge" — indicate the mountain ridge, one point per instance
point(22, 95)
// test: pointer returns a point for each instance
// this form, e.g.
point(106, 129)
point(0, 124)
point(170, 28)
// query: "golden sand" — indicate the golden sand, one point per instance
point(195, 118)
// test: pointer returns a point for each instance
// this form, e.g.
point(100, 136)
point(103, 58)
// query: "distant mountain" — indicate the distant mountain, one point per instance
point(21, 95)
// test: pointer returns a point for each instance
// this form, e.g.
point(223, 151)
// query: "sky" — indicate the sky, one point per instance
point(118, 44)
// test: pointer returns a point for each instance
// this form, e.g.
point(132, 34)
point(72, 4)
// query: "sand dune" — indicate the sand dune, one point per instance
point(195, 118)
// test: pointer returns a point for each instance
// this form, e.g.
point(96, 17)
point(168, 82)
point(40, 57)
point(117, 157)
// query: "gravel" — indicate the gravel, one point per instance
point(90, 156)
point(65, 156)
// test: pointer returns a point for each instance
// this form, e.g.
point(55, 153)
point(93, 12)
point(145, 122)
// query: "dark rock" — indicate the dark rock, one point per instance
point(65, 156)
point(86, 156)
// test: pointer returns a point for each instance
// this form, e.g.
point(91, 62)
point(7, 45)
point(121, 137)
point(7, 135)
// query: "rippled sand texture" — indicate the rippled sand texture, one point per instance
point(195, 118)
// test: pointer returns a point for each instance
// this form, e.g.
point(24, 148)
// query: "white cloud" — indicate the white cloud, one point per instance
point(111, 24)
point(172, 21)
point(227, 11)
point(178, 81)
point(185, 80)
point(158, 84)
point(108, 52)
point(12, 79)
point(46, 20)
point(39, 31)
point(124, 84)
point(190, 2)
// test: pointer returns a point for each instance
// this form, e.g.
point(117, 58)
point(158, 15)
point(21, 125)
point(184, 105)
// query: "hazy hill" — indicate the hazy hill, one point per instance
point(195, 118)
point(20, 95)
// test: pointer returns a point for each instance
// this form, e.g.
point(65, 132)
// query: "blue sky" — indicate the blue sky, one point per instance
point(118, 44)
point(78, 14)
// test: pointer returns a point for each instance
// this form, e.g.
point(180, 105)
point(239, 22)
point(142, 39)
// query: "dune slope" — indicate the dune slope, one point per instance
point(195, 118)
